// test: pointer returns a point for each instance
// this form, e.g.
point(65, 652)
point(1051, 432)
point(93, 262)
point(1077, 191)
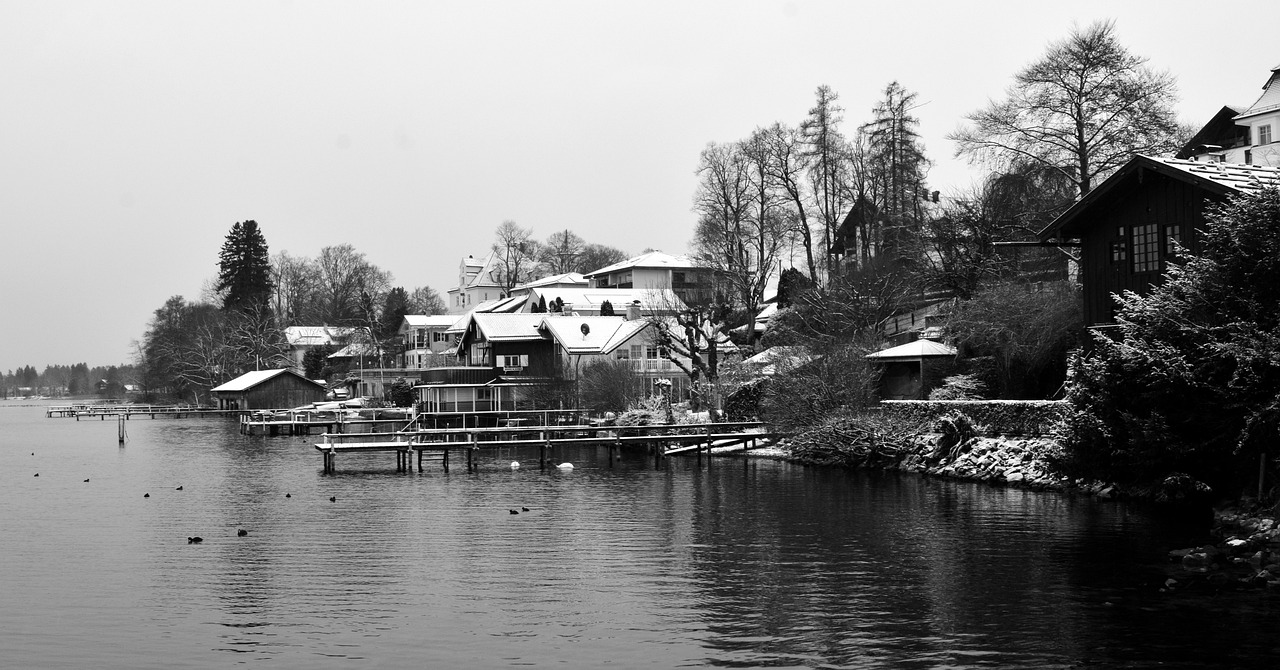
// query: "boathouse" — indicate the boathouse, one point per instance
point(268, 389)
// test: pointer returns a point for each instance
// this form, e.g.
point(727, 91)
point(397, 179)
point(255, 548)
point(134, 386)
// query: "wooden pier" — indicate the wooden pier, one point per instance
point(661, 440)
point(129, 411)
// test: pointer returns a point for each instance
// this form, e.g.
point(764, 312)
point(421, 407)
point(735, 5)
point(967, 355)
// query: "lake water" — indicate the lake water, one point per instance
point(738, 563)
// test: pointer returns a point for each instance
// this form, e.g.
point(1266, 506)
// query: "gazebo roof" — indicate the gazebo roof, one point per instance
point(913, 351)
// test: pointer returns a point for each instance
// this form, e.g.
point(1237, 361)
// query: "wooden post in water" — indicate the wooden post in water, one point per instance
point(121, 432)
point(444, 460)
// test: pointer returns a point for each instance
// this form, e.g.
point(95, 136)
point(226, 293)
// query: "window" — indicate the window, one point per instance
point(1119, 252)
point(514, 362)
point(1172, 236)
point(1264, 134)
point(1146, 248)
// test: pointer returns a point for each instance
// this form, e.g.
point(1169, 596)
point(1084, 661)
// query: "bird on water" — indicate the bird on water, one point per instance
point(146, 495)
point(195, 540)
point(333, 498)
point(512, 511)
point(178, 489)
point(287, 495)
point(242, 532)
point(524, 509)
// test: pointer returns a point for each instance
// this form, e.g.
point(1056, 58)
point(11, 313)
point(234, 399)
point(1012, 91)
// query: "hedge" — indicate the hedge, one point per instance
point(991, 417)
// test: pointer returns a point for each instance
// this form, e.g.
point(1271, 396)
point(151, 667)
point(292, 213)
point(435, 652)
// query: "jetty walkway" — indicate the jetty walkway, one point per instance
point(438, 444)
point(129, 410)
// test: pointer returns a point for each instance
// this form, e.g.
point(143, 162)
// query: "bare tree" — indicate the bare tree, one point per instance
point(515, 252)
point(426, 300)
point(294, 282)
point(739, 233)
point(597, 256)
point(785, 167)
point(692, 340)
point(1084, 109)
point(828, 169)
point(560, 253)
point(347, 284)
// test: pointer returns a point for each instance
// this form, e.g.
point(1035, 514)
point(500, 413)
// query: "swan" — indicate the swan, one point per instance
point(565, 466)
point(515, 465)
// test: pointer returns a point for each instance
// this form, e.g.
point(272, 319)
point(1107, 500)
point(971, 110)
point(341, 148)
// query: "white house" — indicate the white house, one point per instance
point(1248, 135)
point(656, 270)
point(477, 283)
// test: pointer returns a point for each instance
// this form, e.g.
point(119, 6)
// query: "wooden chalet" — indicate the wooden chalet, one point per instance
point(1131, 226)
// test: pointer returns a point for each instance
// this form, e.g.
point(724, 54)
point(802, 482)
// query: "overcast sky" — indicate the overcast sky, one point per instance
point(134, 134)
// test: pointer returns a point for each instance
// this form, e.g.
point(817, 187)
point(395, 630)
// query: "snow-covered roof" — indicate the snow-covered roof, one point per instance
point(1215, 177)
point(249, 380)
point(914, 351)
point(500, 327)
point(1269, 100)
point(568, 278)
point(653, 259)
point(769, 359)
point(590, 299)
point(429, 320)
point(604, 333)
point(316, 335)
point(509, 305)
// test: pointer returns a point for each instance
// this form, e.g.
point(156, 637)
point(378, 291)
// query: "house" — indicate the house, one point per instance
point(913, 369)
point(1245, 135)
point(268, 389)
point(477, 283)
point(1131, 225)
point(503, 360)
point(302, 339)
point(426, 341)
point(497, 356)
point(656, 270)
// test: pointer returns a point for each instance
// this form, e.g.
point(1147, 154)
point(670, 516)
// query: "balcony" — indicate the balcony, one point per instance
point(459, 375)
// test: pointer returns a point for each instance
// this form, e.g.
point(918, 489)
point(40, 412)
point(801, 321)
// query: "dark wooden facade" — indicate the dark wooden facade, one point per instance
point(1129, 228)
point(282, 391)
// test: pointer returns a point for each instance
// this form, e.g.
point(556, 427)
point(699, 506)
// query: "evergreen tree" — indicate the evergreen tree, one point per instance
point(394, 309)
point(606, 308)
point(244, 269)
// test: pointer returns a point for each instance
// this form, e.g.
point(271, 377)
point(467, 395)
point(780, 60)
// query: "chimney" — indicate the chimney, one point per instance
point(633, 311)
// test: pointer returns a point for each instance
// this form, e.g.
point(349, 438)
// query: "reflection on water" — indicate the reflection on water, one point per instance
point(742, 564)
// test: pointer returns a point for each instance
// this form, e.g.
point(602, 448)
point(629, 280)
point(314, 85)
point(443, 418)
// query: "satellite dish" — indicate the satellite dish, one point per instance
point(585, 329)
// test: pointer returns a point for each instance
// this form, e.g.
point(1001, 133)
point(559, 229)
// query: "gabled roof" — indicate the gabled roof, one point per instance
point(653, 259)
point(1214, 177)
point(249, 380)
point(508, 327)
point(316, 335)
point(1269, 101)
point(768, 360)
point(428, 321)
point(509, 305)
point(1221, 128)
point(604, 333)
point(355, 349)
point(913, 351)
point(568, 278)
